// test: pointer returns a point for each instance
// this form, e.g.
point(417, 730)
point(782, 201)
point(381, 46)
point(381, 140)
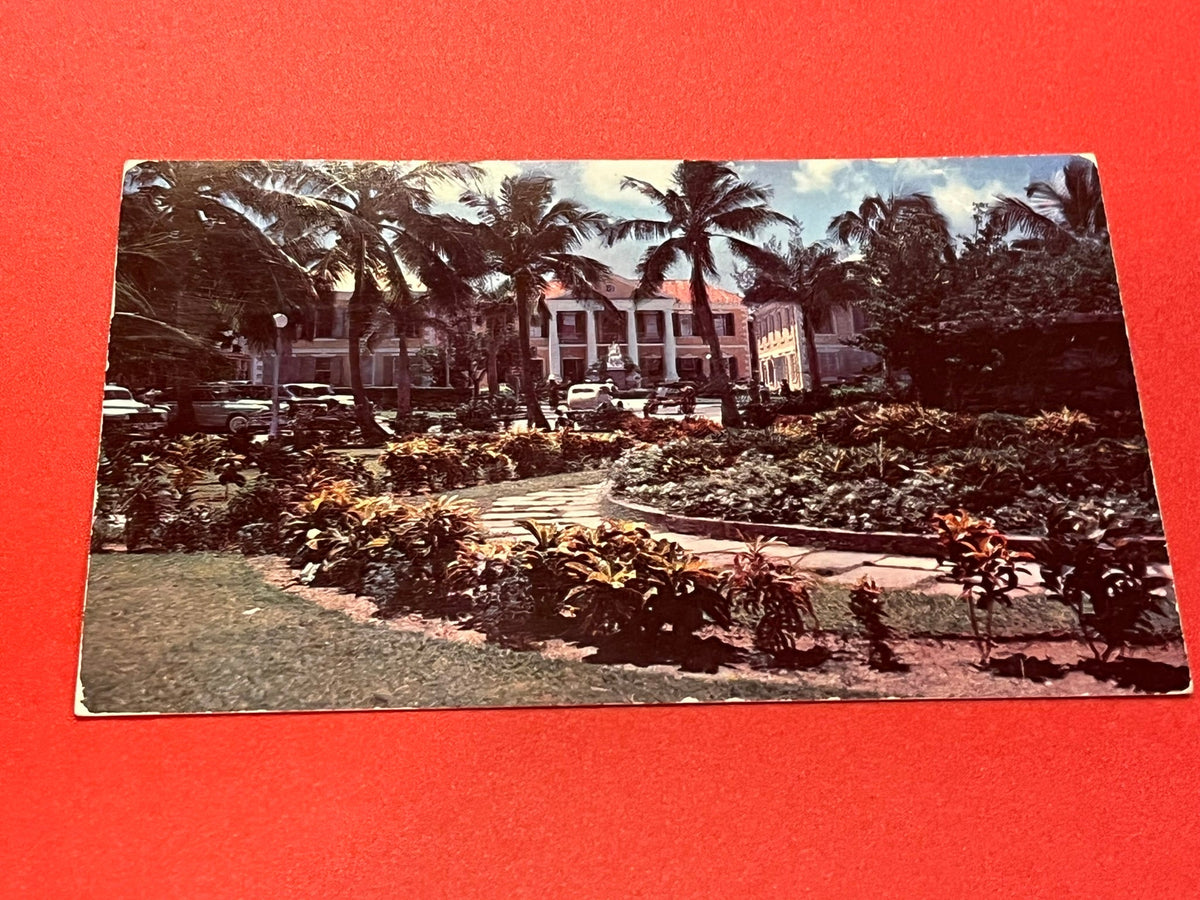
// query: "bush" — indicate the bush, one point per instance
point(775, 592)
point(425, 463)
point(1099, 568)
point(868, 611)
point(981, 561)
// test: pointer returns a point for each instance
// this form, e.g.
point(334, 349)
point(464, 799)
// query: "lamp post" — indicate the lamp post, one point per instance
point(280, 321)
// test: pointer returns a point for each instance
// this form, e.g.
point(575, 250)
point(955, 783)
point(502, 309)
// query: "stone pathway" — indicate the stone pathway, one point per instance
point(581, 505)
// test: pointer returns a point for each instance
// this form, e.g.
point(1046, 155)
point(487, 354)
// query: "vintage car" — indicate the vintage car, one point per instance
point(315, 393)
point(122, 410)
point(681, 396)
point(217, 410)
point(592, 396)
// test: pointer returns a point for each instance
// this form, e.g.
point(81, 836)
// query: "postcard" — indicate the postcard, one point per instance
point(584, 432)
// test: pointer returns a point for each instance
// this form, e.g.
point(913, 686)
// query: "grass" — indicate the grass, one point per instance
point(174, 633)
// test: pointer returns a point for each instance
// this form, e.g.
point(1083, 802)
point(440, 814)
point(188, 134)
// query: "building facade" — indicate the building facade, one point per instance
point(657, 334)
point(779, 330)
point(321, 353)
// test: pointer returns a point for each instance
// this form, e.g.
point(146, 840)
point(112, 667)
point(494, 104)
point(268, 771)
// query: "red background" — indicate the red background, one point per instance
point(932, 799)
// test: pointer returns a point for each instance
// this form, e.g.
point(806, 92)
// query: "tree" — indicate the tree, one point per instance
point(905, 274)
point(196, 263)
point(531, 239)
point(812, 277)
point(707, 200)
point(1068, 208)
point(385, 231)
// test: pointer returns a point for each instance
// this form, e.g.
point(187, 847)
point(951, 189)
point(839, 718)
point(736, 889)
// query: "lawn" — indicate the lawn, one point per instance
point(203, 632)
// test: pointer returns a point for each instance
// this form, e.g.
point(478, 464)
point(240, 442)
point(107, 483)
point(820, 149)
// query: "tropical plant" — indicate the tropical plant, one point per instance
point(982, 562)
point(868, 611)
point(706, 201)
point(904, 276)
point(197, 263)
point(774, 591)
point(1100, 569)
point(531, 239)
point(1067, 208)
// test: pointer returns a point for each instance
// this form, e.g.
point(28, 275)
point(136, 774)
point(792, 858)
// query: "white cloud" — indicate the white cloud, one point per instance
point(601, 178)
point(956, 199)
point(817, 175)
point(494, 172)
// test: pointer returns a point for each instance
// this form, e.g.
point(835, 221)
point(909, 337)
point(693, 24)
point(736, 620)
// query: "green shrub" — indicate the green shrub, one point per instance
point(1099, 568)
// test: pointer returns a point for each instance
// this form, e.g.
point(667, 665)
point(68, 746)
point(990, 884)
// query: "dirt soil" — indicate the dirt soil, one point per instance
point(938, 667)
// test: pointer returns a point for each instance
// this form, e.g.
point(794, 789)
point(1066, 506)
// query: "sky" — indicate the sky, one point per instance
point(811, 192)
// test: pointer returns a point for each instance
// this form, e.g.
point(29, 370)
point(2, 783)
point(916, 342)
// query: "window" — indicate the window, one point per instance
point(323, 370)
point(723, 323)
point(323, 323)
point(684, 325)
point(690, 368)
point(612, 327)
point(823, 322)
point(732, 366)
point(858, 319)
point(649, 327)
point(571, 328)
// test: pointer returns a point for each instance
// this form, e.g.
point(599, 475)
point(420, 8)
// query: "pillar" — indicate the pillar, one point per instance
point(592, 359)
point(555, 361)
point(669, 371)
point(631, 335)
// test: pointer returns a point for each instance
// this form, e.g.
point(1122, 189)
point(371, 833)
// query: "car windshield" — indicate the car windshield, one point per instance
point(308, 390)
point(117, 394)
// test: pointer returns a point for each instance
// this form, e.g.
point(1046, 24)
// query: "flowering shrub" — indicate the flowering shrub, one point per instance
point(868, 611)
point(774, 591)
point(980, 560)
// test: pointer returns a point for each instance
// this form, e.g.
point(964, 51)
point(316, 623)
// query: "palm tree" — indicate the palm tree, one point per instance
point(812, 277)
point(531, 239)
point(706, 200)
point(385, 231)
point(194, 262)
point(879, 219)
point(1070, 207)
point(907, 254)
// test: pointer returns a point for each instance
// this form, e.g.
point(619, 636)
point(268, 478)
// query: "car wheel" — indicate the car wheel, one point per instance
point(237, 424)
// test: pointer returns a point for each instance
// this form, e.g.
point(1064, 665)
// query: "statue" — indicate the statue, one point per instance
point(616, 359)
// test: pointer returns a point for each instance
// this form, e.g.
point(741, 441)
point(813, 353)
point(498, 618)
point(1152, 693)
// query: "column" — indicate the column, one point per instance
point(631, 335)
point(591, 337)
point(669, 372)
point(555, 354)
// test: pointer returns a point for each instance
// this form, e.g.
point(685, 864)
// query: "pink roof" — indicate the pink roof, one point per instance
point(679, 289)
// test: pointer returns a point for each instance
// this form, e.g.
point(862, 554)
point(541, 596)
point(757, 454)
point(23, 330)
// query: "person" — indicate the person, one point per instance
point(764, 393)
point(552, 392)
point(687, 400)
point(785, 389)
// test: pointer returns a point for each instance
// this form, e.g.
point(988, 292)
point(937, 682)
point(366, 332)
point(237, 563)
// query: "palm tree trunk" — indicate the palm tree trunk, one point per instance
point(730, 417)
point(493, 361)
point(403, 373)
point(533, 409)
point(356, 314)
point(810, 347)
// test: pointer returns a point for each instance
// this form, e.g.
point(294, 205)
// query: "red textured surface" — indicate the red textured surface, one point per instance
point(950, 799)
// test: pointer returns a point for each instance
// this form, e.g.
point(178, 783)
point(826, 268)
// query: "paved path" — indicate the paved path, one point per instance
point(581, 505)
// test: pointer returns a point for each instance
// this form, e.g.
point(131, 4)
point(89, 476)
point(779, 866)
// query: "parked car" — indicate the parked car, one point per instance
point(121, 409)
point(592, 396)
point(216, 410)
point(316, 393)
point(682, 396)
point(507, 400)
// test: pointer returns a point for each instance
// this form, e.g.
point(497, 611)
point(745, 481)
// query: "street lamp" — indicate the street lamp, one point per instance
point(280, 321)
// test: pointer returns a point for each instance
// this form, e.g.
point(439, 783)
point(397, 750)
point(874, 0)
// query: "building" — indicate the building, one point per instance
point(657, 334)
point(781, 352)
point(321, 353)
